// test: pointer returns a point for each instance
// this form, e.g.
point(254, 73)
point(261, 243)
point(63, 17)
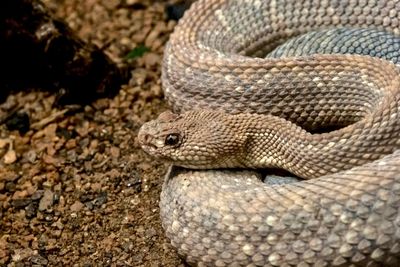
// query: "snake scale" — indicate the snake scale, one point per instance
point(254, 81)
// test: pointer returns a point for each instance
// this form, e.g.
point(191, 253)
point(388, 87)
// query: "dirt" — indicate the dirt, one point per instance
point(76, 189)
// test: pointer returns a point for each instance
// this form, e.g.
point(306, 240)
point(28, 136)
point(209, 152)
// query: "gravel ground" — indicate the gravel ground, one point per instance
point(76, 190)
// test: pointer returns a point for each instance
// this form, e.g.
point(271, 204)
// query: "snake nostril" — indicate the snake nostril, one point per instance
point(143, 138)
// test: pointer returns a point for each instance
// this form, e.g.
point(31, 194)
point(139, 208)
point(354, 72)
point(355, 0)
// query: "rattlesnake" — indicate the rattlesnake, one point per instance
point(249, 101)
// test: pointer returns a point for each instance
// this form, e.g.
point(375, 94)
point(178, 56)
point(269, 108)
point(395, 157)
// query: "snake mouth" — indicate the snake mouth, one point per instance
point(146, 141)
point(149, 148)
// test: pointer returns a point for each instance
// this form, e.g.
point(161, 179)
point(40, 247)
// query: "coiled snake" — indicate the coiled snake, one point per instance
point(261, 103)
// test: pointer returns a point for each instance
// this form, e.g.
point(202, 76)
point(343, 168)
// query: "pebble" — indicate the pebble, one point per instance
point(37, 195)
point(39, 260)
point(21, 202)
point(31, 156)
point(46, 202)
point(77, 206)
point(10, 187)
point(10, 157)
point(135, 182)
point(30, 210)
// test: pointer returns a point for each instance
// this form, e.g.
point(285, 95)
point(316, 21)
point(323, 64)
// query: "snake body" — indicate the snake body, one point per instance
point(258, 102)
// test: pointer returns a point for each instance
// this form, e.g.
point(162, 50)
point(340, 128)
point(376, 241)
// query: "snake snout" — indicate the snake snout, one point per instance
point(145, 141)
point(143, 138)
point(144, 135)
point(147, 138)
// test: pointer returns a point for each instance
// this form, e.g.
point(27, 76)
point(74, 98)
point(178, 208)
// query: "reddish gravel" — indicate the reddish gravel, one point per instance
point(76, 190)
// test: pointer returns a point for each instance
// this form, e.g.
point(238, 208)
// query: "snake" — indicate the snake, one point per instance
point(308, 86)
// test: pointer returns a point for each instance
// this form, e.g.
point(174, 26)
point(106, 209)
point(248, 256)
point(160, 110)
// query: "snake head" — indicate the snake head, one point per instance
point(196, 139)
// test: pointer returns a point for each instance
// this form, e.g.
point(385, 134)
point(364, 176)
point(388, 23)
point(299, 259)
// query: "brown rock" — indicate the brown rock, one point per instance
point(115, 152)
point(77, 206)
point(10, 157)
point(46, 202)
point(70, 144)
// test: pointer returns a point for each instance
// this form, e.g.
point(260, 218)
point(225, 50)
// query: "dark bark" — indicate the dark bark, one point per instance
point(39, 51)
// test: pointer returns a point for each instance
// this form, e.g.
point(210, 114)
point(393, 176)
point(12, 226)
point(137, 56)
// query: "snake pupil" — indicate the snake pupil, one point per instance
point(172, 139)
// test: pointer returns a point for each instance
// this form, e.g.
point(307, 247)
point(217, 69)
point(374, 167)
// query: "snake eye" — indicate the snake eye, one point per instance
point(172, 139)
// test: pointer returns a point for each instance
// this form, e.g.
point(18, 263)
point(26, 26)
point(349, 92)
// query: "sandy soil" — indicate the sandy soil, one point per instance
point(76, 190)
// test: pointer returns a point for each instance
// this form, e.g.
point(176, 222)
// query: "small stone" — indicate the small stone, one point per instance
point(20, 194)
point(10, 187)
point(30, 210)
point(151, 59)
point(10, 157)
point(77, 206)
point(37, 195)
point(135, 182)
point(9, 176)
point(21, 254)
point(20, 203)
point(50, 160)
point(31, 156)
point(115, 152)
point(70, 144)
point(47, 201)
point(101, 199)
point(37, 259)
point(95, 186)
point(112, 4)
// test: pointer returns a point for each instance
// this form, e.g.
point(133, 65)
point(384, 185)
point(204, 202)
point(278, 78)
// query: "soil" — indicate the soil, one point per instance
point(75, 188)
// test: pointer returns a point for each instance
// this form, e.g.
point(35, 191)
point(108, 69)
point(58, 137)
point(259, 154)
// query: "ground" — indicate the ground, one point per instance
point(76, 189)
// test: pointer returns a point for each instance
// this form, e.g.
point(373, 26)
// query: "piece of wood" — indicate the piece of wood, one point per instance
point(39, 51)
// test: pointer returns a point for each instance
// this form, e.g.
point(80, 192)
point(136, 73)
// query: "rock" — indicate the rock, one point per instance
point(101, 199)
point(151, 60)
point(10, 157)
point(115, 152)
point(46, 203)
point(21, 203)
point(135, 182)
point(10, 187)
point(20, 194)
point(37, 195)
point(9, 176)
point(77, 206)
point(39, 260)
point(22, 254)
point(31, 156)
point(30, 210)
point(50, 160)
point(70, 144)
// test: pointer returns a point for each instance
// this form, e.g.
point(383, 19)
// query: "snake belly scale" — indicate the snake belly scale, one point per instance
point(253, 81)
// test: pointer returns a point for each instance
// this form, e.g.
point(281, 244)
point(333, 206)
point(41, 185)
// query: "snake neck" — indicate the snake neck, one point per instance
point(273, 142)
